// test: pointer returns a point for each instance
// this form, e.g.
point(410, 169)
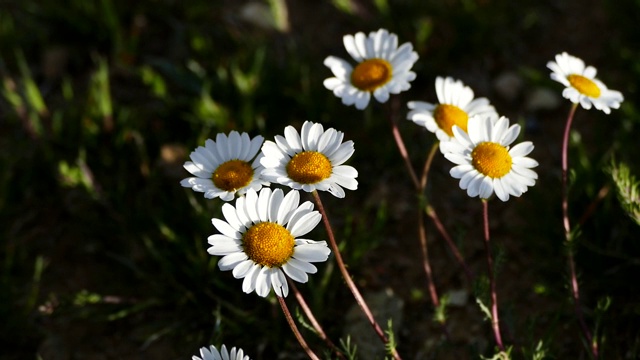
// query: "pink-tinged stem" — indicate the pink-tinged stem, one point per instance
point(431, 212)
point(312, 319)
point(295, 330)
point(422, 231)
point(347, 277)
point(425, 263)
point(495, 322)
point(575, 290)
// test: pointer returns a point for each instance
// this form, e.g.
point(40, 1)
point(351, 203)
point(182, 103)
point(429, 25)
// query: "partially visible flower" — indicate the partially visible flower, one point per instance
point(311, 160)
point(259, 240)
point(224, 168)
point(383, 68)
point(581, 84)
point(213, 354)
point(455, 106)
point(485, 163)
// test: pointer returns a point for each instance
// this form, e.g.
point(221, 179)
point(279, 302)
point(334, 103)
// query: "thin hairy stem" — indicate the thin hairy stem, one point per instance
point(575, 289)
point(431, 212)
point(295, 330)
point(433, 293)
point(495, 321)
point(565, 167)
point(400, 144)
point(347, 277)
point(312, 319)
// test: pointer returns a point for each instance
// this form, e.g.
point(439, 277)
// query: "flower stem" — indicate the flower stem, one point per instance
point(425, 263)
point(295, 330)
point(565, 167)
point(431, 212)
point(314, 322)
point(575, 289)
point(495, 321)
point(401, 147)
point(347, 277)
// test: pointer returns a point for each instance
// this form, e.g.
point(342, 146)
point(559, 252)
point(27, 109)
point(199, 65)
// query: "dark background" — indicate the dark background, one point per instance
point(103, 254)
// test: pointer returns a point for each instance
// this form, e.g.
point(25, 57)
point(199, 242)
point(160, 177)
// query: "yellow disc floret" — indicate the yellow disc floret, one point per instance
point(232, 175)
point(268, 244)
point(584, 85)
point(371, 74)
point(309, 167)
point(491, 159)
point(448, 115)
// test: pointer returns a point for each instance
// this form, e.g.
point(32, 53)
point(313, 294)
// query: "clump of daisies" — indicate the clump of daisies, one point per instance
point(382, 68)
point(582, 86)
point(226, 167)
point(485, 162)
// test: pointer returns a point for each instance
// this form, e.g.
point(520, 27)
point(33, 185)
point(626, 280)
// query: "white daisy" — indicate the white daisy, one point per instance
point(213, 354)
point(383, 68)
point(485, 163)
point(310, 161)
point(259, 240)
point(581, 84)
point(224, 168)
point(455, 106)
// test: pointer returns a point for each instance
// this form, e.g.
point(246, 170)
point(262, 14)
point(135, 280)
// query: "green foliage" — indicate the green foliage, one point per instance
point(350, 350)
point(627, 189)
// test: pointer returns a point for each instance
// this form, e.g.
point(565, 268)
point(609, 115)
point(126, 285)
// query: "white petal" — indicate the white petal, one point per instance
point(279, 282)
point(289, 204)
point(263, 282)
point(294, 273)
point(242, 268)
point(304, 224)
point(263, 204)
point(311, 253)
point(521, 149)
point(226, 229)
point(250, 279)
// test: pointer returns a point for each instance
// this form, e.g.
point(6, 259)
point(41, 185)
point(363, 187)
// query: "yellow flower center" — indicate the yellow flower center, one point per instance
point(584, 85)
point(268, 244)
point(448, 115)
point(232, 175)
point(371, 74)
point(309, 167)
point(491, 159)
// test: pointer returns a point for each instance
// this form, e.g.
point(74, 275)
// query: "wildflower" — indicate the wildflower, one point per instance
point(311, 160)
point(581, 84)
point(223, 168)
point(383, 68)
point(259, 240)
point(485, 163)
point(223, 354)
point(455, 106)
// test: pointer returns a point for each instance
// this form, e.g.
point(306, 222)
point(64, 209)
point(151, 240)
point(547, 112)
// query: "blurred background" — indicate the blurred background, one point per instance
point(103, 254)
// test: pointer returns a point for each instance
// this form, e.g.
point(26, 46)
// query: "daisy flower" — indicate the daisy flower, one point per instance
point(311, 160)
point(213, 354)
point(581, 84)
point(485, 163)
point(259, 240)
point(383, 68)
point(224, 168)
point(455, 106)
